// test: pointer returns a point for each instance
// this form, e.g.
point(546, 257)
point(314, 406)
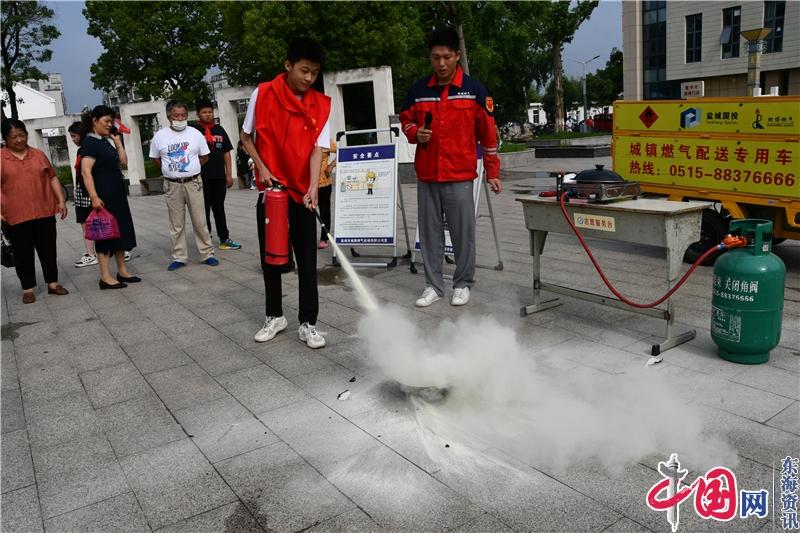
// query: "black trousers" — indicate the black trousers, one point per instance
point(214, 192)
point(303, 237)
point(325, 210)
point(37, 235)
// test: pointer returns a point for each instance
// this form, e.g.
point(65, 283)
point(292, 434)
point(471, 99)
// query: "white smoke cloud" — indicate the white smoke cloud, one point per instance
point(504, 395)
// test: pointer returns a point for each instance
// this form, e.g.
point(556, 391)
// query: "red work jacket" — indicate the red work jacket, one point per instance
point(462, 117)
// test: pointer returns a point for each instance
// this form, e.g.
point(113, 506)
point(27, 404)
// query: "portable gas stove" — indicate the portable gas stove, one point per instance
point(598, 185)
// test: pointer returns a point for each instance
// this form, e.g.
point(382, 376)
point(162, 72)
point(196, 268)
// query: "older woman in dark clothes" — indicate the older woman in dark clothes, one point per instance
point(103, 180)
point(31, 195)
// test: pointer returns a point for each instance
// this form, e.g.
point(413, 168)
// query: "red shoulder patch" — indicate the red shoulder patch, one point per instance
point(489, 104)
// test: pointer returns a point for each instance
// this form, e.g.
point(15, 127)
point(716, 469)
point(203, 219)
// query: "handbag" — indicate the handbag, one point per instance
point(7, 258)
point(101, 226)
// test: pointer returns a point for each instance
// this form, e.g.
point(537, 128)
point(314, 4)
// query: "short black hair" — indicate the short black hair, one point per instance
point(11, 123)
point(75, 127)
point(305, 48)
point(444, 37)
point(203, 103)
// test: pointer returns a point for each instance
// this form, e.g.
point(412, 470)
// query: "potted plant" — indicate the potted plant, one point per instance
point(153, 182)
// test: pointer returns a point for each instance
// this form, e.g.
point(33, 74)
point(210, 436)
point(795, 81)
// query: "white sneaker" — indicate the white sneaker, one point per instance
point(310, 335)
point(460, 296)
point(272, 326)
point(128, 256)
point(428, 297)
point(86, 260)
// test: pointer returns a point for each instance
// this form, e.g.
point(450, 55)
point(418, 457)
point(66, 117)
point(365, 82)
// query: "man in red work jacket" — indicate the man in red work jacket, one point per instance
point(446, 162)
point(284, 132)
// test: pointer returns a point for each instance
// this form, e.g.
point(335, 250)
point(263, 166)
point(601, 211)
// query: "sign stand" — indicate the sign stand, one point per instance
point(366, 181)
point(448, 248)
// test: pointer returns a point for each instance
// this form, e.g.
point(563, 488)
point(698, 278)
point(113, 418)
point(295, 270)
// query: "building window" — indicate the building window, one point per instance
point(654, 52)
point(694, 37)
point(731, 26)
point(773, 18)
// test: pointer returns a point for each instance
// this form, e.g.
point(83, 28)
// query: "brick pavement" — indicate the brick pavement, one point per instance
point(151, 408)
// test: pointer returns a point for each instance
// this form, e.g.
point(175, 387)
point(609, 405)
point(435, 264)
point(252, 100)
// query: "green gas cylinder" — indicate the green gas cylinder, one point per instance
point(747, 302)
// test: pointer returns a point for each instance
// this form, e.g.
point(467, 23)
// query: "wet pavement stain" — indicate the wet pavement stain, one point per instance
point(9, 331)
point(242, 521)
point(330, 276)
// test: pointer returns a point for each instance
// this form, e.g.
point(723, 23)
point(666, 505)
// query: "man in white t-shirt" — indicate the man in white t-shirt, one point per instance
point(180, 151)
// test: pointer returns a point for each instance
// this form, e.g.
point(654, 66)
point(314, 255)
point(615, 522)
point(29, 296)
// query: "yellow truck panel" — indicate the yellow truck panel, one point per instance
point(764, 167)
point(774, 115)
point(741, 153)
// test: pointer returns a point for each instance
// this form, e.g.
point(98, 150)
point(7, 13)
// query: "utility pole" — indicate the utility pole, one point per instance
point(585, 99)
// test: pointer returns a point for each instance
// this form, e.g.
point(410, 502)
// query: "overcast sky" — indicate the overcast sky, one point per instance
point(75, 51)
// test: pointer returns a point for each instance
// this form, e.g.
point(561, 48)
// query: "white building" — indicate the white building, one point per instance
point(536, 114)
point(32, 103)
point(51, 86)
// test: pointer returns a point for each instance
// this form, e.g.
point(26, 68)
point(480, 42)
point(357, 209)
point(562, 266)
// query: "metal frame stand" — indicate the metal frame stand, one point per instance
point(670, 225)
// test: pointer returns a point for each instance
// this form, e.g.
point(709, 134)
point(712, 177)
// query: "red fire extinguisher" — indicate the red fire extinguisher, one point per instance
point(276, 225)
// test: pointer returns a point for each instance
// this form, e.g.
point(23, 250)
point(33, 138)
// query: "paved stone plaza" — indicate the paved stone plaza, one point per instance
point(151, 408)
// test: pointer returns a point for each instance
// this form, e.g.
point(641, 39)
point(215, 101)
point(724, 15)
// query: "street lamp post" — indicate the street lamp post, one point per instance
point(755, 42)
point(585, 100)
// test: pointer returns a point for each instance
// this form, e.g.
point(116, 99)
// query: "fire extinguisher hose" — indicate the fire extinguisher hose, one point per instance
point(721, 246)
point(315, 211)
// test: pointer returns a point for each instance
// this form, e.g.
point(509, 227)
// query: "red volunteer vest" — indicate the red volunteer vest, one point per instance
point(287, 130)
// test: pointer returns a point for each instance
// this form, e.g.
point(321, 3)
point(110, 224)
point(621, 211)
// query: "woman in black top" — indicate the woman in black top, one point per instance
point(102, 177)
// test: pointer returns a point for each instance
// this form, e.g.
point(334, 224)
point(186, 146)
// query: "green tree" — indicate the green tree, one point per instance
point(605, 85)
point(559, 21)
point(501, 46)
point(161, 49)
point(509, 55)
point(355, 35)
point(25, 35)
point(571, 97)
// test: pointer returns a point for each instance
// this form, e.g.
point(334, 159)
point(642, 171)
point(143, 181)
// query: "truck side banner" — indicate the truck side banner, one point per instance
point(761, 116)
point(763, 167)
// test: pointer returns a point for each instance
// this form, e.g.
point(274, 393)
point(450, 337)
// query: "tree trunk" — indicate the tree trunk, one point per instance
point(452, 10)
point(558, 120)
point(464, 61)
point(12, 98)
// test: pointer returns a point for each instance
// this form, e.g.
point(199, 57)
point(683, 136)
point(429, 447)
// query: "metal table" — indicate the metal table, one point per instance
point(670, 225)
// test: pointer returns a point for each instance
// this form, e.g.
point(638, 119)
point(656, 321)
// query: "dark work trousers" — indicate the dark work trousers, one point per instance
point(214, 191)
point(37, 235)
point(303, 237)
point(325, 210)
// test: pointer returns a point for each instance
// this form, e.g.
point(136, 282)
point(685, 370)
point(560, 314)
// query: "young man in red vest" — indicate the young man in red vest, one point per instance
point(285, 131)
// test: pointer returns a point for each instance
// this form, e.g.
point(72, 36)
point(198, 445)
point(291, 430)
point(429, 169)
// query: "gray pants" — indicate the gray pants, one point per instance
point(454, 200)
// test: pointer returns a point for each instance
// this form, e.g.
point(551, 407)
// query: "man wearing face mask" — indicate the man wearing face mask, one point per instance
point(180, 152)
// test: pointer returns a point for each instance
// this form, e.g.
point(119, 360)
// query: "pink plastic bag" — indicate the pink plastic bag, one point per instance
point(101, 226)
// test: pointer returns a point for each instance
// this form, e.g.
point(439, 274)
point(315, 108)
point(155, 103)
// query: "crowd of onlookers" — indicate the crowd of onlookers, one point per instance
point(286, 146)
point(196, 164)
